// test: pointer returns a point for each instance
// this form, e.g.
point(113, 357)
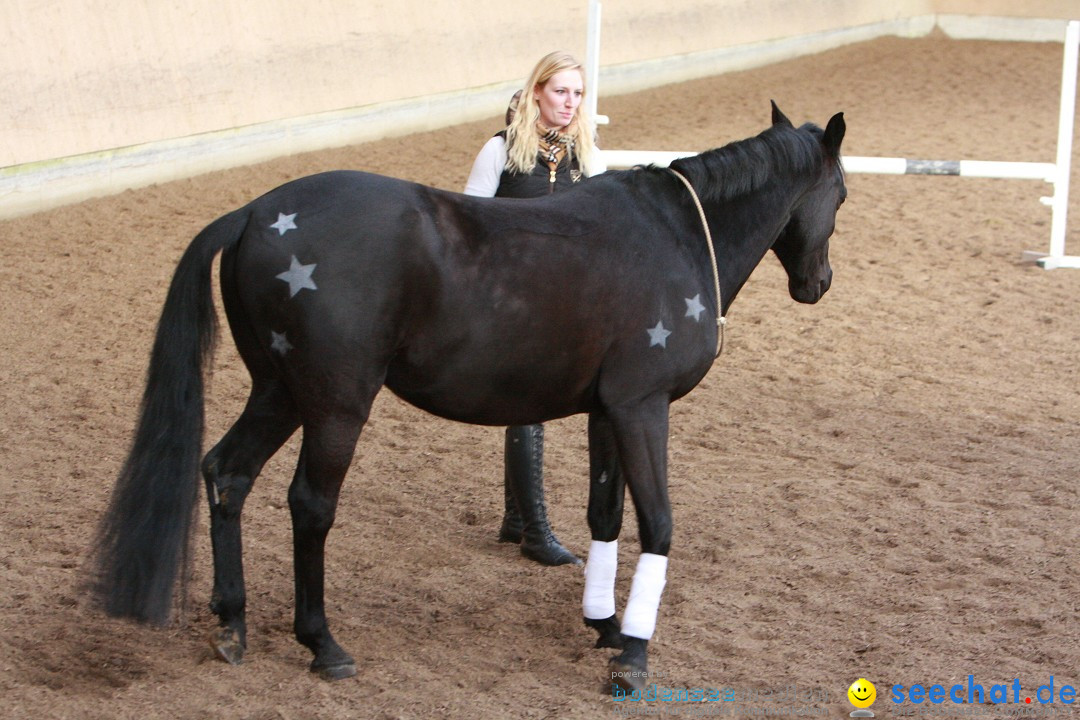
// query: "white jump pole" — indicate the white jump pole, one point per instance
point(1047, 172)
point(872, 165)
point(965, 168)
point(1059, 203)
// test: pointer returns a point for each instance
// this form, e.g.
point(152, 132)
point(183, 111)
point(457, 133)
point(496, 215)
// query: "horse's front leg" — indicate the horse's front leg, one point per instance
point(641, 434)
point(606, 493)
point(324, 459)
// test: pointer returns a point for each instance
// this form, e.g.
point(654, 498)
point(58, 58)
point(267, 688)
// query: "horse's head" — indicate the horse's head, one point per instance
point(803, 244)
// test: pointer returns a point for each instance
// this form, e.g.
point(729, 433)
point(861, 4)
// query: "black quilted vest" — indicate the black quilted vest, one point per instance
point(539, 181)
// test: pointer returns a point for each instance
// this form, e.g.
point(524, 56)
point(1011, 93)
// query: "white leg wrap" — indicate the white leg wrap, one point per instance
point(645, 591)
point(599, 599)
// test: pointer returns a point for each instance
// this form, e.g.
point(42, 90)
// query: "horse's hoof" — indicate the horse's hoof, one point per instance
point(630, 668)
point(339, 671)
point(608, 630)
point(627, 677)
point(333, 663)
point(227, 645)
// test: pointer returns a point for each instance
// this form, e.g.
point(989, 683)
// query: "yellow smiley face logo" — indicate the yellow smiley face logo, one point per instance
point(862, 693)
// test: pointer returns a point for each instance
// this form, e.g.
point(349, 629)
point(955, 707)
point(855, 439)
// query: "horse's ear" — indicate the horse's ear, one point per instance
point(779, 118)
point(834, 133)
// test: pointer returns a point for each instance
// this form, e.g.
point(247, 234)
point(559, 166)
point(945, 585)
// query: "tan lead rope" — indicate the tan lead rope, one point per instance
point(721, 321)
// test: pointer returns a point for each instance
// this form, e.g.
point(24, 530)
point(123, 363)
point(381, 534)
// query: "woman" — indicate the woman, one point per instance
point(547, 147)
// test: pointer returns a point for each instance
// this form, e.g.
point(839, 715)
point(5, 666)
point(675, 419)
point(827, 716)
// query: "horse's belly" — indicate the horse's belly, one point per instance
point(492, 394)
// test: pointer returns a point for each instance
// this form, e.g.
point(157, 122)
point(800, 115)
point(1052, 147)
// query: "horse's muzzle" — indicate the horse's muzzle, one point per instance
point(810, 291)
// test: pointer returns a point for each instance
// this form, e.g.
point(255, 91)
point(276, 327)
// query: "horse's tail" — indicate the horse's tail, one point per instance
point(144, 538)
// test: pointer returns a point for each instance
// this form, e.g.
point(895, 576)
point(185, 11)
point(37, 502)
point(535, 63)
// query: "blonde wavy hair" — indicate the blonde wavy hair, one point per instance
point(522, 138)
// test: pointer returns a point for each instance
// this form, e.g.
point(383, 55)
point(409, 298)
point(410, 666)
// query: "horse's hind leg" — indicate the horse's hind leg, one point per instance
point(324, 459)
point(606, 496)
point(230, 469)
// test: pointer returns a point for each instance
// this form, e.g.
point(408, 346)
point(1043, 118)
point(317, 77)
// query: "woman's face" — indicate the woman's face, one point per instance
point(559, 98)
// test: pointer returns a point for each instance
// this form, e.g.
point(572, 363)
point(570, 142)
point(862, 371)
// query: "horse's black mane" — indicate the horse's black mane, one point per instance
point(744, 166)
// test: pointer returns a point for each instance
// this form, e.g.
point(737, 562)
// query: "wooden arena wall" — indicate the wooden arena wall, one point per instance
point(102, 95)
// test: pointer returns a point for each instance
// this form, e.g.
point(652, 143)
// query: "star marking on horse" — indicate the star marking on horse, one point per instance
point(279, 343)
point(284, 223)
point(694, 308)
point(658, 335)
point(298, 276)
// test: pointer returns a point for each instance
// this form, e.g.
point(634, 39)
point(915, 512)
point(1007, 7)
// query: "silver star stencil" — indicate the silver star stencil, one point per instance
point(284, 223)
point(658, 335)
point(279, 343)
point(298, 276)
point(694, 308)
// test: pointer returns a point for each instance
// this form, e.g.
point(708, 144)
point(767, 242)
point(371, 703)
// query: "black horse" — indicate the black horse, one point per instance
point(600, 301)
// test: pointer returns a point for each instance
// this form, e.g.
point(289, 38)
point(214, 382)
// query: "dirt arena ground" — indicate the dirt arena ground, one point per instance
point(880, 485)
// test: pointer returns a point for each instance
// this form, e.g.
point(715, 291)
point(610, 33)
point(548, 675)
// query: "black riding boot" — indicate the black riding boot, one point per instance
point(510, 532)
point(525, 518)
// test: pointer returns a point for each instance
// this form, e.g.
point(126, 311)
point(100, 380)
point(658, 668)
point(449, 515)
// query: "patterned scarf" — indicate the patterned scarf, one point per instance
point(554, 143)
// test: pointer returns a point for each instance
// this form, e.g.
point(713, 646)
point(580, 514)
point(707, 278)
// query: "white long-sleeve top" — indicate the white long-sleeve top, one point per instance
point(487, 169)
